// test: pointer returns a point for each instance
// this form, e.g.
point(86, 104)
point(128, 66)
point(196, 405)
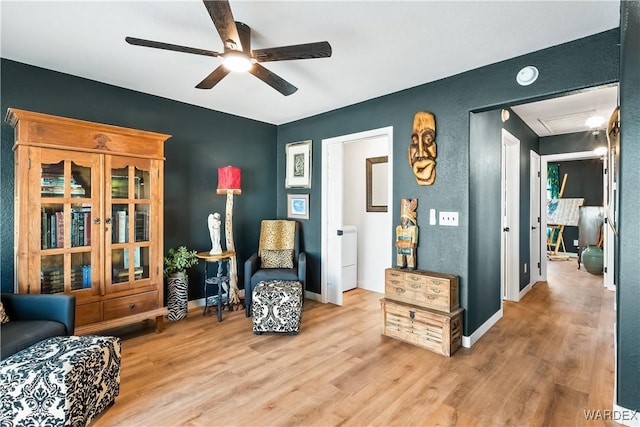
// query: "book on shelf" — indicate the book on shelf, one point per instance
point(120, 227)
point(142, 226)
point(136, 258)
point(59, 229)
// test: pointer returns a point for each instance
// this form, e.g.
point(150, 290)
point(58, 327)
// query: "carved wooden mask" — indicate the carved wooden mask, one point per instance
point(422, 150)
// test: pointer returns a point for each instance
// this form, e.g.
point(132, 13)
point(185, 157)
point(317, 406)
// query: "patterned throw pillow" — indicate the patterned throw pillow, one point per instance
point(4, 318)
point(276, 259)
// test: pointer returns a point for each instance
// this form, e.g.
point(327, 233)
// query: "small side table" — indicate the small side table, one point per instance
point(218, 279)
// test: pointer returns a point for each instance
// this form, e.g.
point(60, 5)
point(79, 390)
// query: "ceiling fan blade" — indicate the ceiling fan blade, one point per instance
point(220, 12)
point(298, 51)
point(273, 80)
point(168, 46)
point(214, 78)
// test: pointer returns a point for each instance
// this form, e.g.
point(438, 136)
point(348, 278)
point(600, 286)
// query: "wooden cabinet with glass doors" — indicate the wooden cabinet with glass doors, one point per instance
point(88, 217)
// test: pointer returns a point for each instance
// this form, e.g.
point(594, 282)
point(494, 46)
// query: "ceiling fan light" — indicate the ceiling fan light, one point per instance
point(237, 61)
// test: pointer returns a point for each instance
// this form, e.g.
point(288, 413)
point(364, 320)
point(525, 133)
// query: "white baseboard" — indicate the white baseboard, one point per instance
point(200, 302)
point(526, 290)
point(620, 414)
point(312, 296)
point(467, 342)
point(195, 303)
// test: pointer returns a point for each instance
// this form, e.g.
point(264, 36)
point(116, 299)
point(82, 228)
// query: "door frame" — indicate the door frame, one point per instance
point(510, 260)
point(325, 196)
point(609, 237)
point(535, 184)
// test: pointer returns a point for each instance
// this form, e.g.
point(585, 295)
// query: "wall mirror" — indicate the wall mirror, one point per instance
point(377, 184)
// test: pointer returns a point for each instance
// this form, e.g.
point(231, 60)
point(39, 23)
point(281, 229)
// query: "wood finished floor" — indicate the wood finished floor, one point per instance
point(544, 363)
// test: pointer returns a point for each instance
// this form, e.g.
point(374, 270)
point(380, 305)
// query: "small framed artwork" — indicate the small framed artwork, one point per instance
point(298, 165)
point(377, 183)
point(298, 206)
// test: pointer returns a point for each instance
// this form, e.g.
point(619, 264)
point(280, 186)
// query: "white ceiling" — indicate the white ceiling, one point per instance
point(567, 114)
point(379, 47)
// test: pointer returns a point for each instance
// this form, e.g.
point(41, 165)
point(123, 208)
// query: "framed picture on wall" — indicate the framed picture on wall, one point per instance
point(298, 165)
point(298, 206)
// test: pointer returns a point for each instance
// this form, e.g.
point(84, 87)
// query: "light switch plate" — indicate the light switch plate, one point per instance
point(449, 218)
point(432, 217)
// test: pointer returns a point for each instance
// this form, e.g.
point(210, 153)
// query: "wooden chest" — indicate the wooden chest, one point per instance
point(431, 329)
point(422, 288)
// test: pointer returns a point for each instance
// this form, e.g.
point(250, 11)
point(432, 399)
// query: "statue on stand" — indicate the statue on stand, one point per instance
point(407, 235)
point(214, 233)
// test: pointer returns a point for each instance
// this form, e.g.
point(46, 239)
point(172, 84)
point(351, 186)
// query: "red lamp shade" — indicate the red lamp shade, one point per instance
point(229, 179)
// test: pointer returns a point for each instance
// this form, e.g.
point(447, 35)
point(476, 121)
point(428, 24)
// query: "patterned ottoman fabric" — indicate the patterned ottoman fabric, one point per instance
point(277, 306)
point(61, 381)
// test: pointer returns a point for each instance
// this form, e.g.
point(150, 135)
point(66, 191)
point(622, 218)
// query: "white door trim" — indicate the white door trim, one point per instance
point(381, 132)
point(535, 248)
point(510, 247)
point(608, 242)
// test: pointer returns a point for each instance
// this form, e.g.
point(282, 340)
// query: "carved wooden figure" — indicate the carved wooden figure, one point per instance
point(422, 150)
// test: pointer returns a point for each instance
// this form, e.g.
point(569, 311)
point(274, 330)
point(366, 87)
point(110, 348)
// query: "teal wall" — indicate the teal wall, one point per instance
point(202, 141)
point(562, 68)
point(628, 280)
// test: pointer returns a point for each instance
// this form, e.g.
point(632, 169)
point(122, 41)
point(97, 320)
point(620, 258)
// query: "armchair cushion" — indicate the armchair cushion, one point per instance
point(276, 258)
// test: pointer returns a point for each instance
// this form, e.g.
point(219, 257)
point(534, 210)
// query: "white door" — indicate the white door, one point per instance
point(349, 249)
point(535, 251)
point(510, 205)
point(334, 222)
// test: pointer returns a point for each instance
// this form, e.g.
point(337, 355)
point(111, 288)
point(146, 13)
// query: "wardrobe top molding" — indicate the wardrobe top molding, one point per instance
point(48, 131)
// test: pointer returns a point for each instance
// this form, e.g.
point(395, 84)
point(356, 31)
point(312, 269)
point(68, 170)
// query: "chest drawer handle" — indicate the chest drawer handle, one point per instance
point(436, 290)
point(132, 305)
point(412, 315)
point(431, 297)
point(414, 286)
point(399, 290)
point(414, 278)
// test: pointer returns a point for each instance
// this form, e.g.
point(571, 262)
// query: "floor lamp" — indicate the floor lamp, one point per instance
point(229, 184)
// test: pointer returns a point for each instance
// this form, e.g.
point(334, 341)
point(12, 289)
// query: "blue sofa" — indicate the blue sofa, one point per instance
point(34, 318)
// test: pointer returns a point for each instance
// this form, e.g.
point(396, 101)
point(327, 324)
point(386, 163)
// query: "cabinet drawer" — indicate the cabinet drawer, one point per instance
point(88, 313)
point(391, 274)
point(433, 300)
point(129, 305)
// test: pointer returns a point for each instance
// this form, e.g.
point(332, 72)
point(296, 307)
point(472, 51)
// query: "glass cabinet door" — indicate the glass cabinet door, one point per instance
point(68, 201)
point(130, 205)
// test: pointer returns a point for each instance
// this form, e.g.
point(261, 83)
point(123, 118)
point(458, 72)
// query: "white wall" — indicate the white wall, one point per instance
point(374, 231)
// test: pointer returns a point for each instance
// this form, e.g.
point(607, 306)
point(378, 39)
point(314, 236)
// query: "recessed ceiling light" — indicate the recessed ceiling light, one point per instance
point(600, 151)
point(527, 75)
point(594, 122)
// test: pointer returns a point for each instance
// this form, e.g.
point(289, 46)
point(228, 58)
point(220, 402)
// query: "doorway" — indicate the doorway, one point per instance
point(333, 204)
point(608, 240)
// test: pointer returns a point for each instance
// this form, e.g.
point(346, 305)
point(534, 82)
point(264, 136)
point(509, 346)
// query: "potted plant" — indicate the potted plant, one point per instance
point(175, 266)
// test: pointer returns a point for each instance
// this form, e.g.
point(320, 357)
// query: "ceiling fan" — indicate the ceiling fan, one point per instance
point(238, 55)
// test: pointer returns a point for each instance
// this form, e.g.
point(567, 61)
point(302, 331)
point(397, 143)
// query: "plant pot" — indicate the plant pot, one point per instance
point(178, 296)
point(593, 259)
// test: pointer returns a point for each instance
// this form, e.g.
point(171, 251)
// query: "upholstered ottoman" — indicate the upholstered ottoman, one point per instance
point(277, 306)
point(61, 381)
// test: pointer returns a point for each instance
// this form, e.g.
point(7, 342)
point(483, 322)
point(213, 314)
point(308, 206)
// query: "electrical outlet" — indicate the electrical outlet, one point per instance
point(449, 218)
point(525, 267)
point(575, 243)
